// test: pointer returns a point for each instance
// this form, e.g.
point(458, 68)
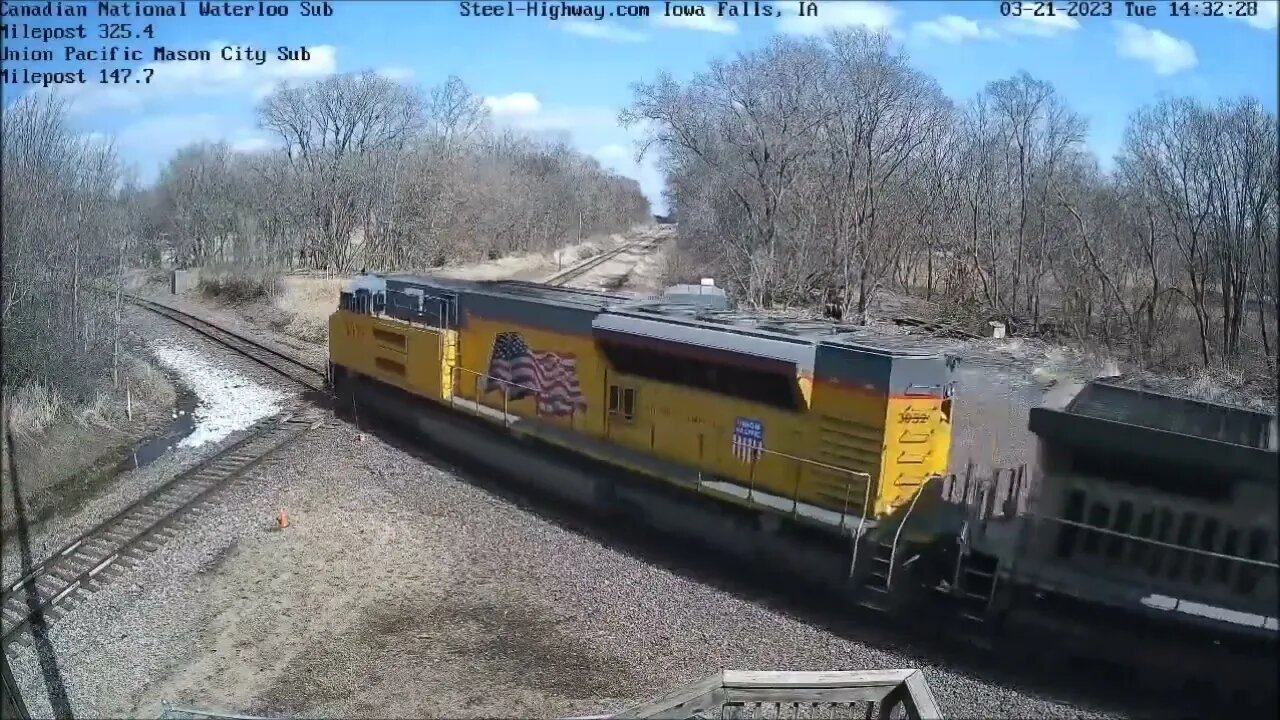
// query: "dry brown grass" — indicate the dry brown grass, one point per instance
point(306, 303)
point(33, 408)
point(240, 283)
point(136, 279)
point(148, 387)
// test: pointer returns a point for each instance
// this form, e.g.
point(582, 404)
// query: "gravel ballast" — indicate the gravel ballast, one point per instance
point(82, 514)
point(401, 590)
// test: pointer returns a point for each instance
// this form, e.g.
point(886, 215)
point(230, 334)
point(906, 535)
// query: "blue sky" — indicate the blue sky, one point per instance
point(572, 76)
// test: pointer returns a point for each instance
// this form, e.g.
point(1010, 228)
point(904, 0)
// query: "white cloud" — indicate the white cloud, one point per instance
point(525, 111)
point(522, 104)
point(1165, 53)
point(568, 118)
point(397, 73)
point(1042, 25)
point(176, 79)
point(603, 31)
point(871, 14)
point(1268, 16)
point(246, 143)
point(614, 153)
point(953, 29)
point(154, 139)
point(593, 129)
point(708, 21)
point(622, 160)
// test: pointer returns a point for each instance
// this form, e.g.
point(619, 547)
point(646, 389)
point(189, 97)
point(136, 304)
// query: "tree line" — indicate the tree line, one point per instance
point(66, 229)
point(832, 171)
point(372, 171)
point(364, 172)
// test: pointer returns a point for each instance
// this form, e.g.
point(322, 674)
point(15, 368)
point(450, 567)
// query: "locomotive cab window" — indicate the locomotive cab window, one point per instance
point(622, 402)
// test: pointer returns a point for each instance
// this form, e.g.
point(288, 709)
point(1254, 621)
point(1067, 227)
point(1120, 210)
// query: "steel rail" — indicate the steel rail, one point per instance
point(565, 276)
point(290, 367)
point(78, 569)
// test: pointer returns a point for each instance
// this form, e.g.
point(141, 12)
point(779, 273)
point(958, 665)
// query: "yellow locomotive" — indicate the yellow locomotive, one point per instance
point(809, 449)
point(799, 419)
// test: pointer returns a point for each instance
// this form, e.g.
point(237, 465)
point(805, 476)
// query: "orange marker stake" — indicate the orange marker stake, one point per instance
point(283, 519)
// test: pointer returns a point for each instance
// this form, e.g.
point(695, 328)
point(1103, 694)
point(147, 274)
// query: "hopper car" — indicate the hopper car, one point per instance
point(822, 452)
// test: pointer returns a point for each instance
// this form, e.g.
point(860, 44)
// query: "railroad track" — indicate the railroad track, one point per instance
point(290, 367)
point(566, 276)
point(51, 588)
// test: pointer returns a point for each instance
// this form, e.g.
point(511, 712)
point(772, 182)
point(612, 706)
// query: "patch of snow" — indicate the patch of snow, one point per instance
point(228, 401)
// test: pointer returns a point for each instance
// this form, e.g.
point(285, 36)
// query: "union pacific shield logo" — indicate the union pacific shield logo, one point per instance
point(748, 439)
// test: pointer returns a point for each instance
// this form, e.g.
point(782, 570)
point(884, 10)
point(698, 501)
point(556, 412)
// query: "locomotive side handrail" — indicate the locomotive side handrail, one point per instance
point(1152, 541)
point(795, 496)
point(506, 394)
point(1232, 582)
point(849, 484)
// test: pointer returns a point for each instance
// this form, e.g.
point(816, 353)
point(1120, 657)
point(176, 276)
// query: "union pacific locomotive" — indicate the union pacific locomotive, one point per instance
point(822, 452)
point(711, 400)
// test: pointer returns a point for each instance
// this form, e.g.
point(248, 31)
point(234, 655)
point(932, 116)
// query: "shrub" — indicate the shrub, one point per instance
point(240, 283)
point(31, 407)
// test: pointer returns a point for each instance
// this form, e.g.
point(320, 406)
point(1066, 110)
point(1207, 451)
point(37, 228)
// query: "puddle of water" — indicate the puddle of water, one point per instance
point(156, 446)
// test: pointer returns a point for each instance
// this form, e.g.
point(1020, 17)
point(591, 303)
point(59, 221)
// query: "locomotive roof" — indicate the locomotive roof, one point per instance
point(1111, 417)
point(536, 292)
point(683, 320)
point(1185, 416)
point(763, 325)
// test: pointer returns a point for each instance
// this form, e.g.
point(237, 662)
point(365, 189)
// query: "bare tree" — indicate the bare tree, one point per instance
point(826, 186)
point(368, 172)
point(63, 227)
point(336, 132)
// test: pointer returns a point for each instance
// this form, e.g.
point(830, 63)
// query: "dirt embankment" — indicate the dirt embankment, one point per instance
point(72, 452)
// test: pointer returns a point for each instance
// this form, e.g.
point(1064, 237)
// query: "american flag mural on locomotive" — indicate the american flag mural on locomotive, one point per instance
point(748, 439)
point(552, 377)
